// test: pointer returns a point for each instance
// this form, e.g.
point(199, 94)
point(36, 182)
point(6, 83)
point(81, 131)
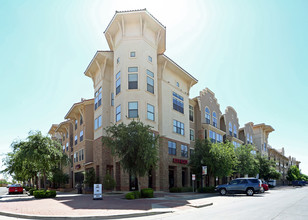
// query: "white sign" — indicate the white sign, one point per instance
point(98, 191)
point(204, 170)
point(193, 177)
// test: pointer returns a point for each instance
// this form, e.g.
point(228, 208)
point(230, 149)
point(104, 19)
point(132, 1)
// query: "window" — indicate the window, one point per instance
point(219, 138)
point(67, 146)
point(151, 114)
point(132, 81)
point(236, 145)
point(98, 98)
point(150, 59)
point(207, 116)
point(230, 128)
point(247, 138)
point(118, 113)
point(178, 127)
point(63, 147)
point(118, 82)
point(251, 139)
point(76, 139)
point(66, 134)
point(177, 84)
point(234, 131)
point(150, 81)
point(98, 122)
point(81, 136)
point(172, 148)
point(118, 60)
point(75, 158)
point(76, 122)
point(184, 151)
point(178, 102)
point(264, 146)
point(133, 69)
point(191, 113)
point(133, 54)
point(192, 135)
point(212, 136)
point(214, 119)
point(112, 99)
point(80, 155)
point(133, 109)
point(81, 120)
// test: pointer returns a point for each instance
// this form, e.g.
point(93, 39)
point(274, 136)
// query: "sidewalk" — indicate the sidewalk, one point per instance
point(82, 206)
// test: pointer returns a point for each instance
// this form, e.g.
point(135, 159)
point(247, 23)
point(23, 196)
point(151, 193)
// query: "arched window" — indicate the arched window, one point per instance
point(247, 138)
point(230, 128)
point(207, 116)
point(214, 119)
point(251, 139)
point(234, 131)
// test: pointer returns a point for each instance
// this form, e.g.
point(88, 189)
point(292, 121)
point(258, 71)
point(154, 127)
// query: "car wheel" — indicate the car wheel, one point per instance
point(223, 191)
point(249, 192)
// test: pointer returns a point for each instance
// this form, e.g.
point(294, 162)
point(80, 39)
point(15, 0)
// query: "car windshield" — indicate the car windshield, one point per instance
point(15, 185)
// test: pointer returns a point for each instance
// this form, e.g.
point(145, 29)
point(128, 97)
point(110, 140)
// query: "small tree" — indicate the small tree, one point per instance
point(109, 183)
point(90, 177)
point(135, 146)
point(293, 173)
point(247, 163)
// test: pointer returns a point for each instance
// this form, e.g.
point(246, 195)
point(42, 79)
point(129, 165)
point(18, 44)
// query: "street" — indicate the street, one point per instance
point(279, 203)
point(285, 203)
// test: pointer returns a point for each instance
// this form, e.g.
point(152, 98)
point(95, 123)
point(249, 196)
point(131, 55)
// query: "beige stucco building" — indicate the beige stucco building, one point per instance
point(134, 79)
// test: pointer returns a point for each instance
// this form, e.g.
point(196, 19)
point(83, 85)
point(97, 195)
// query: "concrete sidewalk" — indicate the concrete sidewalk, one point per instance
point(82, 206)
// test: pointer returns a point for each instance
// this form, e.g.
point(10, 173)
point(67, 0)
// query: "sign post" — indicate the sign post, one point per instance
point(193, 177)
point(98, 192)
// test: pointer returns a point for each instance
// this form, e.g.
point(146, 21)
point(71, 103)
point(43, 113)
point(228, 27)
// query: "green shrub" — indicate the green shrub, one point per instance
point(175, 189)
point(208, 189)
point(186, 189)
point(27, 188)
point(147, 193)
point(44, 194)
point(109, 183)
point(130, 195)
point(31, 191)
point(137, 194)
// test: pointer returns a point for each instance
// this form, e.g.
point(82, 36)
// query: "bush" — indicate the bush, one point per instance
point(44, 194)
point(27, 188)
point(130, 195)
point(31, 191)
point(175, 189)
point(109, 183)
point(137, 194)
point(208, 189)
point(186, 189)
point(147, 193)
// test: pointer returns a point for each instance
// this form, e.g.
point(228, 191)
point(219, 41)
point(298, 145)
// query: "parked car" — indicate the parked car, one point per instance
point(16, 188)
point(265, 186)
point(298, 183)
point(241, 185)
point(272, 183)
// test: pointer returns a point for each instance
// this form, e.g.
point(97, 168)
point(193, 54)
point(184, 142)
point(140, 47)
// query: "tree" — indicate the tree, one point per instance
point(293, 173)
point(224, 159)
point(219, 158)
point(247, 164)
point(134, 145)
point(90, 177)
point(38, 154)
point(267, 168)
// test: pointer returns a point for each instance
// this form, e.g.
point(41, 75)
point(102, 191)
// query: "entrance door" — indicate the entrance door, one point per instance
point(171, 178)
point(79, 177)
point(150, 185)
point(133, 183)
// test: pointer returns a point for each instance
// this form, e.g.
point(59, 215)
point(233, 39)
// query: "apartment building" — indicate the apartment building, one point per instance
point(281, 162)
point(136, 80)
point(260, 137)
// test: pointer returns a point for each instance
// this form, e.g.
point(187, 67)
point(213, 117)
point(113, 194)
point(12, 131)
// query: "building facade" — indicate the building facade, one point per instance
point(132, 80)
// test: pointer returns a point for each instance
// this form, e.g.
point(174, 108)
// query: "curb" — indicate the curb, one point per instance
point(24, 216)
point(201, 206)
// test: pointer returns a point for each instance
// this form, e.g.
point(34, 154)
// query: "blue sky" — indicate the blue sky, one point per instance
point(252, 54)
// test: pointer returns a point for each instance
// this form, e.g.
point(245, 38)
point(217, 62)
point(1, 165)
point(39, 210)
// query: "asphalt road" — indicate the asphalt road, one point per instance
point(287, 203)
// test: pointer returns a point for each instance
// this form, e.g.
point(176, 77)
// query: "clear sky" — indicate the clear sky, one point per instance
point(252, 54)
